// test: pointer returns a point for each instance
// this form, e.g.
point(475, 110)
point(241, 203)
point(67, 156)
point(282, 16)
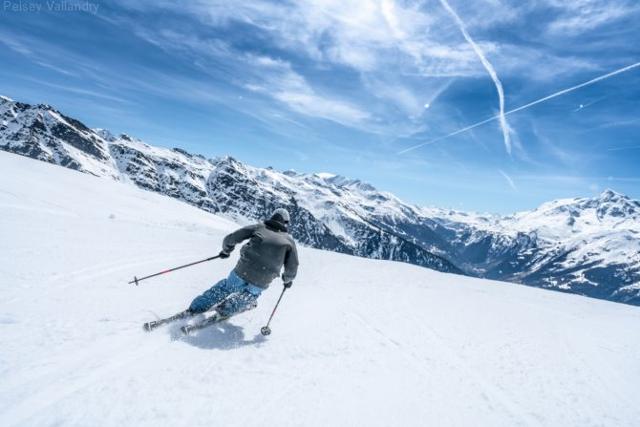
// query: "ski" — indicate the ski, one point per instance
point(215, 318)
point(203, 324)
point(150, 326)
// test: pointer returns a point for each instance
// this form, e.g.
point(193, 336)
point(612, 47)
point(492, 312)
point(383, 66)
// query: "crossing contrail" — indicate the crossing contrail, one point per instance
point(530, 104)
point(492, 72)
point(588, 104)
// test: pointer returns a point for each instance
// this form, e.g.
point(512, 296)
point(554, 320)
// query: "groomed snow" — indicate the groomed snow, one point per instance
point(356, 341)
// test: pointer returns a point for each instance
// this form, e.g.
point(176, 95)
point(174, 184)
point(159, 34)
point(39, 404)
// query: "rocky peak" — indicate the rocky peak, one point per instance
point(610, 195)
point(228, 162)
point(614, 204)
point(105, 134)
point(345, 182)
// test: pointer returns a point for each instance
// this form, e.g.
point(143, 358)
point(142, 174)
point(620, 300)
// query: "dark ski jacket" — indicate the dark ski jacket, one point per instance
point(269, 248)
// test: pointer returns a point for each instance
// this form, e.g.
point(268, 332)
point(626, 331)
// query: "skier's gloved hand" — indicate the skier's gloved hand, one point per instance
point(223, 255)
point(287, 283)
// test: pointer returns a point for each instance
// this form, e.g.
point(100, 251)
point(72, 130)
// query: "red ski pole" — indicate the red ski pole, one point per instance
point(136, 280)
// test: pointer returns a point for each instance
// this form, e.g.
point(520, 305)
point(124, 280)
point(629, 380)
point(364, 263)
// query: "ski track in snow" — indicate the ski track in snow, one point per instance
point(355, 342)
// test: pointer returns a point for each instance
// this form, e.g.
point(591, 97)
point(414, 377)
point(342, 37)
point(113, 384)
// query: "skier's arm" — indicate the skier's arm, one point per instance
point(230, 242)
point(290, 264)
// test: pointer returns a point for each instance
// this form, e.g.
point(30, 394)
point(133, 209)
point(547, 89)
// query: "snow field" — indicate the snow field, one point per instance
point(355, 341)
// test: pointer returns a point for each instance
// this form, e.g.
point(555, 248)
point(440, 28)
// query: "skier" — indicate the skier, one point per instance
point(270, 247)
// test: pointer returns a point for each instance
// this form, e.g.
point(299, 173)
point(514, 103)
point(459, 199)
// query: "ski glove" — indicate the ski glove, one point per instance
point(287, 284)
point(223, 255)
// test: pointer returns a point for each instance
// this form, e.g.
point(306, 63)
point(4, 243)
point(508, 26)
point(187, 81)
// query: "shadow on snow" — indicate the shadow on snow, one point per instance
point(221, 336)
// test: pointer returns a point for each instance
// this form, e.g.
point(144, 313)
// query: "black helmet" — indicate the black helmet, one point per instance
point(281, 215)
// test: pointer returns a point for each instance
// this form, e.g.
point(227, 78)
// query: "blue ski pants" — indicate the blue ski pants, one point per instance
point(234, 294)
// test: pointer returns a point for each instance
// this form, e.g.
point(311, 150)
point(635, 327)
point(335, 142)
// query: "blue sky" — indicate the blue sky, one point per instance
point(347, 86)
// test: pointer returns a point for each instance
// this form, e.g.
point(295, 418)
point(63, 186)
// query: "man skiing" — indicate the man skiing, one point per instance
point(270, 247)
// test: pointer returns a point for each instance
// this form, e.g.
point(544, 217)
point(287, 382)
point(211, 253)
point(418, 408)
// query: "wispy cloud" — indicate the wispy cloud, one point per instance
point(259, 73)
point(508, 179)
point(395, 54)
point(492, 72)
point(279, 81)
point(79, 91)
point(15, 45)
point(577, 179)
point(555, 152)
point(579, 16)
point(375, 39)
point(618, 123)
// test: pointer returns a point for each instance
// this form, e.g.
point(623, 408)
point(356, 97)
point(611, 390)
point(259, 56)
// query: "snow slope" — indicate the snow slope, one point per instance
point(356, 341)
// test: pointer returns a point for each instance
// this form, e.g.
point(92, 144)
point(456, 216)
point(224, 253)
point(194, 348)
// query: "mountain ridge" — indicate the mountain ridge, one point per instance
point(580, 245)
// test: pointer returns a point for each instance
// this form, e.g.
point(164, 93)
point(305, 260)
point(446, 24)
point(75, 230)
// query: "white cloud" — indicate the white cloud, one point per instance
point(279, 81)
point(411, 99)
point(396, 52)
point(374, 38)
point(362, 34)
point(262, 74)
point(15, 45)
point(536, 64)
point(579, 16)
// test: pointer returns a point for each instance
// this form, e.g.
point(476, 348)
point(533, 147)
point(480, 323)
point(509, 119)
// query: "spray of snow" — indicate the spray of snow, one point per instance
point(523, 107)
point(492, 72)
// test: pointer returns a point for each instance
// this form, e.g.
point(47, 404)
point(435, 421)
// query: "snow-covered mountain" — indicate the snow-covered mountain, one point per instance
point(321, 213)
point(585, 246)
point(589, 246)
point(43, 133)
point(347, 349)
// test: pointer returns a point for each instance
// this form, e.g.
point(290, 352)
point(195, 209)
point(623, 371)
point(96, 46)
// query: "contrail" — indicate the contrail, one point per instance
point(492, 72)
point(509, 180)
point(635, 147)
point(531, 104)
point(588, 104)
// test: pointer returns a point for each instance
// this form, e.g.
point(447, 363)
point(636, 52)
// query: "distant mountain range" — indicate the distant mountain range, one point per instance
point(588, 246)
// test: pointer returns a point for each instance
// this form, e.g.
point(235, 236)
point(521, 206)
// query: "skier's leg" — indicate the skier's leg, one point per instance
point(215, 294)
point(243, 301)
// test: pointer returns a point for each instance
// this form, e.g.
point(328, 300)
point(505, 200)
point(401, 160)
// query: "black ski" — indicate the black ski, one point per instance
point(150, 326)
point(186, 329)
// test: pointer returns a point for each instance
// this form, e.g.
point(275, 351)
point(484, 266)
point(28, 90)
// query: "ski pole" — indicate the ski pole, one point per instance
point(136, 280)
point(266, 330)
